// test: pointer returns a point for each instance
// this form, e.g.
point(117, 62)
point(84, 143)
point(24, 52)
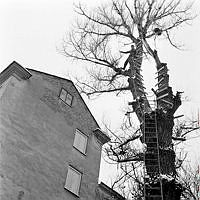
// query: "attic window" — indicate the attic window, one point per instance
point(66, 97)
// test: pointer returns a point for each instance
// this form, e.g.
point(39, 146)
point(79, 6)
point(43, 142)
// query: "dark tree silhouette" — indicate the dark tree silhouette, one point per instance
point(99, 38)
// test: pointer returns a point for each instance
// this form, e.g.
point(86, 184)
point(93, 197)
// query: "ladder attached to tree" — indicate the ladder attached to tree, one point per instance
point(154, 190)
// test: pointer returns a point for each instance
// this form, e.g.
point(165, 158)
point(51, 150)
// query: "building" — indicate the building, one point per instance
point(50, 142)
point(103, 192)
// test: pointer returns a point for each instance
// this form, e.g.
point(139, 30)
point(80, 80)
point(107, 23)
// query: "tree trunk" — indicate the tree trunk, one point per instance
point(171, 189)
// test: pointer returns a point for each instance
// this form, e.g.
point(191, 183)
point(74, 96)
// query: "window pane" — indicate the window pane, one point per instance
point(69, 179)
point(63, 94)
point(68, 99)
point(80, 141)
point(76, 183)
point(73, 180)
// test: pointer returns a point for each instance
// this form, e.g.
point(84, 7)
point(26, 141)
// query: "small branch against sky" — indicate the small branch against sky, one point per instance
point(114, 39)
point(97, 35)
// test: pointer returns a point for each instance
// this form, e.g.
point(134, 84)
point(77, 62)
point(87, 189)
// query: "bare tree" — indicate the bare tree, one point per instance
point(190, 179)
point(126, 149)
point(129, 182)
point(100, 38)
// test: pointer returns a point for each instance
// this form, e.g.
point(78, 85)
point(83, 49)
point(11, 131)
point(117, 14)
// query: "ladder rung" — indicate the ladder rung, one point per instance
point(163, 84)
point(156, 187)
point(151, 126)
point(155, 148)
point(153, 197)
point(155, 151)
point(151, 149)
point(153, 193)
point(151, 174)
point(138, 81)
point(152, 166)
point(162, 68)
point(148, 156)
point(153, 123)
point(150, 131)
point(140, 86)
point(138, 74)
point(152, 145)
point(154, 171)
point(161, 74)
point(148, 140)
point(141, 90)
point(152, 135)
point(162, 79)
point(150, 123)
point(153, 188)
point(167, 102)
point(153, 154)
point(138, 78)
point(151, 142)
point(137, 68)
point(152, 162)
point(149, 134)
point(161, 90)
point(148, 119)
point(148, 143)
point(164, 95)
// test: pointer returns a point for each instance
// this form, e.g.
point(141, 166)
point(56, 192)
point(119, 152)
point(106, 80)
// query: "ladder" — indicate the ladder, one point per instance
point(153, 191)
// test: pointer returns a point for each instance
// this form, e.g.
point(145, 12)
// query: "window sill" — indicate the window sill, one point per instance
point(65, 102)
point(76, 195)
point(84, 154)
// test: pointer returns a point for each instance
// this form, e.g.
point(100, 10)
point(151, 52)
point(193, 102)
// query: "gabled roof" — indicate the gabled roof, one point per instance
point(14, 69)
point(57, 77)
point(24, 73)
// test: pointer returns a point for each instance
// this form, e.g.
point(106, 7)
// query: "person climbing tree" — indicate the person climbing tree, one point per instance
point(132, 54)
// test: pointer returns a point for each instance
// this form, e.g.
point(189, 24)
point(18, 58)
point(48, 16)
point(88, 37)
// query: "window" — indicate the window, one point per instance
point(66, 97)
point(73, 180)
point(80, 141)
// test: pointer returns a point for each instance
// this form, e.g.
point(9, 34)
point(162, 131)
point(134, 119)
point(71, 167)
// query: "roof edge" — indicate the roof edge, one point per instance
point(74, 87)
point(102, 136)
point(111, 191)
point(14, 68)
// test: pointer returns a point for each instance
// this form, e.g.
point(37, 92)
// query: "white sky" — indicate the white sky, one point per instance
point(30, 31)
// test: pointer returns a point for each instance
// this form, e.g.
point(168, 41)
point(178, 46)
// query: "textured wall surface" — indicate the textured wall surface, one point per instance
point(36, 135)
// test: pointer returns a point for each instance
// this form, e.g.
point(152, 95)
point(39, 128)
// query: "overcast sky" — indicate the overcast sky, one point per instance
point(31, 31)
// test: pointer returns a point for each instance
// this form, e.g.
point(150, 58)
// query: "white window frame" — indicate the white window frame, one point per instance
point(65, 97)
point(73, 180)
point(77, 141)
